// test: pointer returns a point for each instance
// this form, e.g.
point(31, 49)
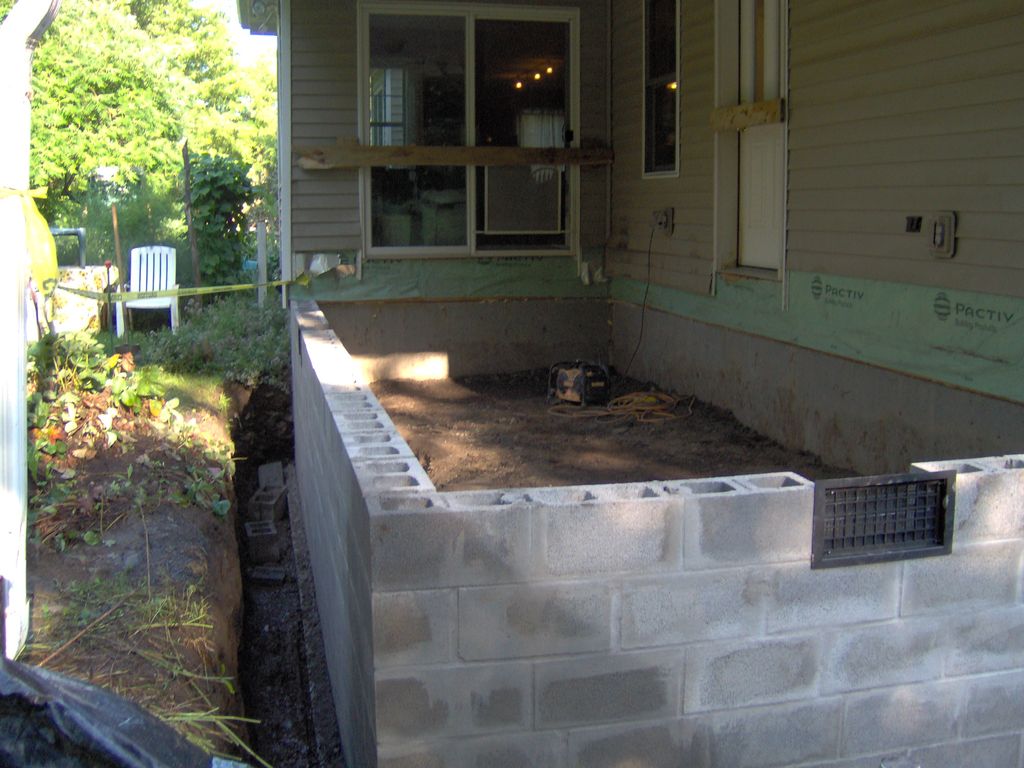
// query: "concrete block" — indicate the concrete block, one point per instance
point(773, 480)
point(986, 642)
point(800, 598)
point(904, 716)
point(996, 752)
point(785, 735)
point(691, 607)
point(993, 704)
point(271, 475)
point(668, 744)
point(637, 536)
point(434, 547)
point(533, 620)
point(262, 542)
point(413, 627)
point(989, 497)
point(973, 577)
point(728, 675)
point(268, 503)
point(882, 655)
point(420, 703)
point(528, 750)
point(770, 526)
point(704, 487)
point(607, 688)
point(382, 476)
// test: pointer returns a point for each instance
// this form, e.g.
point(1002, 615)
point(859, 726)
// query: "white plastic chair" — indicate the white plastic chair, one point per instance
point(152, 269)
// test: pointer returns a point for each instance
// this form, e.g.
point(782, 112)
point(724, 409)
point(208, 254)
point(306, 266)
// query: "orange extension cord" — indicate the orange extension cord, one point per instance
point(645, 407)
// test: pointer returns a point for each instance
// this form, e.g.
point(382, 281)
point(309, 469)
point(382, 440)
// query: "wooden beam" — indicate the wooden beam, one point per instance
point(353, 155)
point(745, 115)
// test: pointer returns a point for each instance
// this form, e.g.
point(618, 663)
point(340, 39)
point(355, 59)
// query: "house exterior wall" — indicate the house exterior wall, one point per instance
point(651, 624)
point(325, 108)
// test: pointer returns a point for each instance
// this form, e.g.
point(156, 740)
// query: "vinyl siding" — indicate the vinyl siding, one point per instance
point(901, 108)
point(683, 260)
point(325, 204)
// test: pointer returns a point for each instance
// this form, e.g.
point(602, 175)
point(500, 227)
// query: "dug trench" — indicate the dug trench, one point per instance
point(282, 671)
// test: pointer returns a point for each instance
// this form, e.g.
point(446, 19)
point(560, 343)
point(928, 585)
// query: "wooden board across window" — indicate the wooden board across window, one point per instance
point(354, 155)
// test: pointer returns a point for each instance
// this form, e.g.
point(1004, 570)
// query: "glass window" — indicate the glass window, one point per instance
point(417, 95)
point(661, 86)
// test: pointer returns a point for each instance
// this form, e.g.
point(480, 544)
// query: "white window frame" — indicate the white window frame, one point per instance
point(470, 12)
point(674, 172)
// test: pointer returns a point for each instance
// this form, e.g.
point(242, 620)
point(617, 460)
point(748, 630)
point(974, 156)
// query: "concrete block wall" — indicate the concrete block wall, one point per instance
point(648, 624)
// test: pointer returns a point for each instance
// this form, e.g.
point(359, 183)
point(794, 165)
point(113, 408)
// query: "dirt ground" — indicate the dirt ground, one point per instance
point(500, 432)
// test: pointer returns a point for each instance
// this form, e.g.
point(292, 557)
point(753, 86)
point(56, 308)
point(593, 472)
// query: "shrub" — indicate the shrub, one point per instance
point(231, 337)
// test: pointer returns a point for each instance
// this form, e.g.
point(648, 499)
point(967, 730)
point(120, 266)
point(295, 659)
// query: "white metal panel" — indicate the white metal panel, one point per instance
point(762, 198)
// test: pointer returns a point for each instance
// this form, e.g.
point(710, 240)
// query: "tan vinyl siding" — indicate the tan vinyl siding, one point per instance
point(325, 204)
point(901, 108)
point(683, 260)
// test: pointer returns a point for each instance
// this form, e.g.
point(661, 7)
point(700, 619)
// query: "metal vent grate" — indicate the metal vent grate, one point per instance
point(886, 517)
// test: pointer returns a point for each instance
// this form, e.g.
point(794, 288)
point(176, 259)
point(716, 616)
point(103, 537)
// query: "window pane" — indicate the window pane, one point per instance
point(521, 101)
point(660, 86)
point(417, 96)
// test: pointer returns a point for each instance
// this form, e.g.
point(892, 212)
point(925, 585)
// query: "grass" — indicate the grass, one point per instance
point(197, 390)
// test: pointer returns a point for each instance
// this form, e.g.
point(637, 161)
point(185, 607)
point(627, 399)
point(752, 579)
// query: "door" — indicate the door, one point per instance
point(762, 166)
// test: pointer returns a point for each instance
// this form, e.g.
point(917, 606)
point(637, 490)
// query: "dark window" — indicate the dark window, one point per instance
point(661, 85)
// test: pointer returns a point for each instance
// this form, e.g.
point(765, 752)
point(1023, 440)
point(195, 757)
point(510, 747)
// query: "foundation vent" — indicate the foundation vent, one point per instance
point(886, 517)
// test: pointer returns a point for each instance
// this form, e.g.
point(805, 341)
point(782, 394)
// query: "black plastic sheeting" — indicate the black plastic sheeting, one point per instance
point(48, 719)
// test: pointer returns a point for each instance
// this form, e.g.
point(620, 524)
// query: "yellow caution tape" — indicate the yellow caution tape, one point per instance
point(179, 292)
point(42, 251)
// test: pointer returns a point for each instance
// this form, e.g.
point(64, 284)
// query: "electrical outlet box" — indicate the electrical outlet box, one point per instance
point(662, 219)
point(941, 232)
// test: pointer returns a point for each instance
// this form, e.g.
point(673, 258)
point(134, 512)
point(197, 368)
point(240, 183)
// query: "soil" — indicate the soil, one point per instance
point(139, 591)
point(501, 432)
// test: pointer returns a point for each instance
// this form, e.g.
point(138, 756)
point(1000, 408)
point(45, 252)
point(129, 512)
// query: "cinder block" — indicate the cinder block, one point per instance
point(986, 642)
point(997, 752)
point(800, 598)
point(421, 703)
point(781, 735)
point(691, 607)
point(413, 627)
point(994, 705)
point(883, 655)
point(771, 526)
point(440, 548)
point(723, 676)
point(271, 475)
point(770, 480)
point(989, 498)
point(268, 503)
point(904, 716)
point(668, 744)
point(973, 577)
point(607, 688)
point(528, 750)
point(608, 537)
point(533, 620)
point(262, 542)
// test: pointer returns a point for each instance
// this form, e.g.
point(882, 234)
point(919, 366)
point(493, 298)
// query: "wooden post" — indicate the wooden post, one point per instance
point(193, 246)
point(119, 260)
point(261, 262)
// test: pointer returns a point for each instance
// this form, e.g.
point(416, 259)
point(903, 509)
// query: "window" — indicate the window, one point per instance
point(479, 77)
point(661, 86)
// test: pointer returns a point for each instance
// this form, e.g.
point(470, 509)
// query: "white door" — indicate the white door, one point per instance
point(762, 184)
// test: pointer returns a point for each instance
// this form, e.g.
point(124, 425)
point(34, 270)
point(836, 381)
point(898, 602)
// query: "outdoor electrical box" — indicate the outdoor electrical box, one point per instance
point(941, 231)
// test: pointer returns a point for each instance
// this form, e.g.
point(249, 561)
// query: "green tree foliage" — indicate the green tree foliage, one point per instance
point(118, 86)
point(221, 194)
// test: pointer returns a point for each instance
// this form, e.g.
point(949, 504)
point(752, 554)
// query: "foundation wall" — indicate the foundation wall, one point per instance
point(850, 414)
point(653, 624)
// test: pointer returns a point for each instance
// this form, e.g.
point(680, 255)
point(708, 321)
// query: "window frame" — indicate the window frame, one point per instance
point(470, 12)
point(646, 83)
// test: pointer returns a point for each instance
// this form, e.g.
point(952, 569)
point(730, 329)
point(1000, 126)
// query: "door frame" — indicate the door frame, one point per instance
point(725, 236)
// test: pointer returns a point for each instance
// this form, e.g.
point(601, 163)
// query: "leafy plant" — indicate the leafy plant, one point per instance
point(221, 194)
point(208, 341)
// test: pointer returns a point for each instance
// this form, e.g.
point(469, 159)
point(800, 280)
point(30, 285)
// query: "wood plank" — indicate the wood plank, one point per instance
point(352, 155)
point(740, 116)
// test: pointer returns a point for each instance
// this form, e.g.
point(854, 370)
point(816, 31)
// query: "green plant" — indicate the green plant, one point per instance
point(221, 194)
point(208, 341)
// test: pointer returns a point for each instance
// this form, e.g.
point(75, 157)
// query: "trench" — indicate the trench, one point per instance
point(282, 672)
